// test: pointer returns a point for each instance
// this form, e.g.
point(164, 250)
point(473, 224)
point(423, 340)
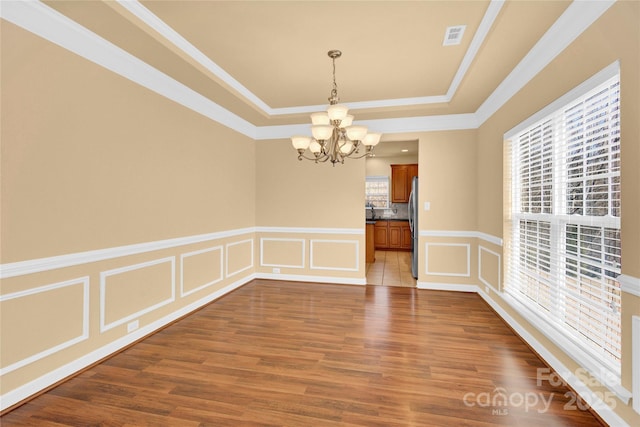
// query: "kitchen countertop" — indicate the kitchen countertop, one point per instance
point(373, 221)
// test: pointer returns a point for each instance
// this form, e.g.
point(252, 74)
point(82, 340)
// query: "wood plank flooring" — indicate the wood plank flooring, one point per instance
point(300, 354)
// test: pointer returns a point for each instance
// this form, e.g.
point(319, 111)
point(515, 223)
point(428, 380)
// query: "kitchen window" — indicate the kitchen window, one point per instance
point(563, 253)
point(377, 191)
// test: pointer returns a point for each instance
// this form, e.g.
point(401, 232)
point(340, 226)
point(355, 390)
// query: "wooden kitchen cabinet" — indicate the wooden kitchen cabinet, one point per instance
point(370, 252)
point(380, 235)
point(401, 177)
point(395, 235)
point(405, 237)
point(392, 235)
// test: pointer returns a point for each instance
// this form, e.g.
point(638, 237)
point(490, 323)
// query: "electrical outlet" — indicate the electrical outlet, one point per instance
point(487, 289)
point(427, 206)
point(276, 271)
point(132, 326)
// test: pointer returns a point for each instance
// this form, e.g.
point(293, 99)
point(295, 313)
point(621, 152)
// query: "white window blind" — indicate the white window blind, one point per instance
point(377, 191)
point(563, 252)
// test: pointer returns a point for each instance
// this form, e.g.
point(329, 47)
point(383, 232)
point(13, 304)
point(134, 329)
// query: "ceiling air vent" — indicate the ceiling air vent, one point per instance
point(453, 35)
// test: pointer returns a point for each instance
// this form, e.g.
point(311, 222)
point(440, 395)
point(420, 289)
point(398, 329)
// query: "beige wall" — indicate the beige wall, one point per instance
point(615, 36)
point(295, 193)
point(146, 202)
point(92, 162)
point(310, 216)
point(381, 166)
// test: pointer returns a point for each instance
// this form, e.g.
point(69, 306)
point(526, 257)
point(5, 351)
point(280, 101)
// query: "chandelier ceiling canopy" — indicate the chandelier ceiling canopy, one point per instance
point(335, 138)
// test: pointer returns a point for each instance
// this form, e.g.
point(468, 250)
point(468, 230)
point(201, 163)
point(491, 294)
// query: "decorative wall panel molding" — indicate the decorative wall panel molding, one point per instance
point(104, 276)
point(83, 321)
point(33, 387)
point(431, 272)
point(234, 250)
point(316, 252)
point(481, 250)
point(215, 258)
point(275, 254)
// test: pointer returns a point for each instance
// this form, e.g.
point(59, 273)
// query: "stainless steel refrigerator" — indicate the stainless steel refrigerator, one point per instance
point(413, 225)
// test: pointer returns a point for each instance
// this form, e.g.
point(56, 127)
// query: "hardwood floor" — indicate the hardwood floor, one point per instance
point(391, 268)
point(300, 354)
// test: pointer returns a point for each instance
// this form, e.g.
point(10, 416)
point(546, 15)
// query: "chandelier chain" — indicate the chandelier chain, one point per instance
point(334, 92)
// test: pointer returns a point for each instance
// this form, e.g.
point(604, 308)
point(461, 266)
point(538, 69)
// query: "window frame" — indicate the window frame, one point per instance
point(378, 178)
point(607, 373)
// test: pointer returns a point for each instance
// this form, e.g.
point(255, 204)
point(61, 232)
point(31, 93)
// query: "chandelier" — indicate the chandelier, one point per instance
point(334, 137)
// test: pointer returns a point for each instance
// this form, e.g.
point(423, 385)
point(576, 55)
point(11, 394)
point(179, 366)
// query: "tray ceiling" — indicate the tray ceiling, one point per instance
point(266, 61)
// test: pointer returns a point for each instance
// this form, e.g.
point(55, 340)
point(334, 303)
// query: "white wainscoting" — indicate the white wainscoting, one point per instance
point(448, 273)
point(315, 265)
point(103, 291)
point(81, 281)
point(300, 242)
point(37, 265)
point(33, 387)
point(481, 250)
point(213, 280)
point(462, 234)
point(245, 267)
point(241, 269)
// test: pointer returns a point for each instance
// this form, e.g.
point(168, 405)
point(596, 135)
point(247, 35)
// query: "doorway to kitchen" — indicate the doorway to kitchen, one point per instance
point(389, 179)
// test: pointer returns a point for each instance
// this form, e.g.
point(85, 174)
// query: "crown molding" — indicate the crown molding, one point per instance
point(41, 20)
point(478, 39)
point(575, 19)
point(49, 24)
point(164, 30)
point(158, 25)
point(387, 126)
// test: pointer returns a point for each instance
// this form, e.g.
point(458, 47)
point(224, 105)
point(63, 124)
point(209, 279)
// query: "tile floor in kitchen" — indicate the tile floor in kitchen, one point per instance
point(391, 268)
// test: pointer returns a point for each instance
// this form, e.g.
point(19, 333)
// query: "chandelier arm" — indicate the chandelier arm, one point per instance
point(315, 159)
point(354, 148)
point(368, 153)
point(331, 149)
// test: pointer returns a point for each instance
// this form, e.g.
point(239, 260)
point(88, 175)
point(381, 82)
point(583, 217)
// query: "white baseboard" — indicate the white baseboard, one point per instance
point(31, 388)
point(599, 406)
point(315, 279)
point(447, 287)
point(593, 399)
point(21, 393)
